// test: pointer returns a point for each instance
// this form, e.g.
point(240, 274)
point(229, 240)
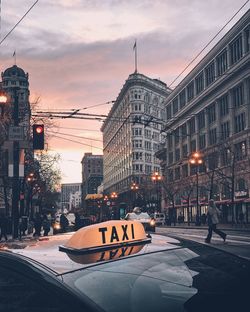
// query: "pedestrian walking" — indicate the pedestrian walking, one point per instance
point(77, 223)
point(213, 220)
point(3, 227)
point(37, 225)
point(46, 225)
point(64, 222)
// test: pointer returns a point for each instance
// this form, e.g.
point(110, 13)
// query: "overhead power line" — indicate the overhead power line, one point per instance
point(18, 22)
point(190, 63)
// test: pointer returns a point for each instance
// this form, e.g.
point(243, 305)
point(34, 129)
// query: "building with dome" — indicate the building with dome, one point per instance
point(15, 143)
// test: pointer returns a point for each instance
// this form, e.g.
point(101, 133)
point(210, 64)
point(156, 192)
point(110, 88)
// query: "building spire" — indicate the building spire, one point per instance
point(135, 49)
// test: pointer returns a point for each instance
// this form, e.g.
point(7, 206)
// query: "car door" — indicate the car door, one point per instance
point(25, 288)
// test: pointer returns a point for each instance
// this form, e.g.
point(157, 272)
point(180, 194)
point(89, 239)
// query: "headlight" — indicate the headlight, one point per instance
point(57, 226)
point(152, 222)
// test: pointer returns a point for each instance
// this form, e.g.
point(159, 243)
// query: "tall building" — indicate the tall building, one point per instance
point(69, 190)
point(15, 85)
point(209, 113)
point(92, 174)
point(131, 136)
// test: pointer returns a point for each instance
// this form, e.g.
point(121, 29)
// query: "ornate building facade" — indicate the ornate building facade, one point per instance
point(209, 113)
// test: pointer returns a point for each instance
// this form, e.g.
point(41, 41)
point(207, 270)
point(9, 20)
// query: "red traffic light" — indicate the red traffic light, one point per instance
point(38, 137)
point(39, 129)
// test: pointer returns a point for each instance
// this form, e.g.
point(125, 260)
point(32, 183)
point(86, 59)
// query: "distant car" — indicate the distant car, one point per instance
point(159, 218)
point(57, 226)
point(143, 217)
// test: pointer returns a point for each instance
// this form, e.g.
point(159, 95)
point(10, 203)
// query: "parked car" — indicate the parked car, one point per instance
point(147, 221)
point(159, 218)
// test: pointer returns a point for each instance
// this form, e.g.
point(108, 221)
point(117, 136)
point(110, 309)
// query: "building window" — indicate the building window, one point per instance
point(239, 123)
point(184, 131)
point(240, 150)
point(177, 173)
point(182, 98)
point(221, 62)
point(137, 143)
point(170, 158)
point(137, 156)
point(210, 73)
point(190, 91)
point(211, 110)
point(184, 150)
point(225, 130)
point(201, 120)
point(170, 141)
point(170, 175)
point(202, 141)
point(212, 136)
point(223, 105)
point(177, 136)
point(177, 154)
point(236, 51)
point(148, 157)
point(169, 112)
point(175, 106)
point(247, 38)
point(238, 96)
point(137, 131)
point(213, 161)
point(199, 83)
point(225, 156)
point(148, 145)
point(191, 126)
point(184, 171)
point(193, 146)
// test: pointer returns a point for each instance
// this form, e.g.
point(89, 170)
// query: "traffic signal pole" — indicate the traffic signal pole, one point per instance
point(15, 179)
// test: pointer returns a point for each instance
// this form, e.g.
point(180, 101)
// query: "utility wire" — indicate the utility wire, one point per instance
point(75, 136)
point(208, 43)
point(18, 22)
point(57, 136)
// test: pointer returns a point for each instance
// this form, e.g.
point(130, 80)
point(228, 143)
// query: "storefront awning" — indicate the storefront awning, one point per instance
point(93, 196)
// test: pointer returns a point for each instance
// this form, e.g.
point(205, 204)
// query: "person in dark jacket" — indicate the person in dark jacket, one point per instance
point(3, 227)
point(77, 222)
point(37, 225)
point(213, 220)
point(46, 225)
point(64, 222)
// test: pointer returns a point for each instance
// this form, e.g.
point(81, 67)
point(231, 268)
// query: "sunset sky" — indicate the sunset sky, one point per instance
point(78, 54)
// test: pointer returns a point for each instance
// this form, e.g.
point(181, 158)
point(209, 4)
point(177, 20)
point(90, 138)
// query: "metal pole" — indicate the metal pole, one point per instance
point(197, 198)
point(15, 184)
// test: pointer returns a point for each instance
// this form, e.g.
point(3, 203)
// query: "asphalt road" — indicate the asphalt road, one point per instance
point(237, 242)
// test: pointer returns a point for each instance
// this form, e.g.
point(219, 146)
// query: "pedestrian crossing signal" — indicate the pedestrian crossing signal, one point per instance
point(38, 137)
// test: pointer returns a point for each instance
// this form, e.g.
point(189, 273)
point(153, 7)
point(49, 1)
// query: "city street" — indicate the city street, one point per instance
point(237, 242)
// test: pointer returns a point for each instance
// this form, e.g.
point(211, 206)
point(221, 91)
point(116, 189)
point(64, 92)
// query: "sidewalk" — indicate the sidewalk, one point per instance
point(231, 227)
point(27, 240)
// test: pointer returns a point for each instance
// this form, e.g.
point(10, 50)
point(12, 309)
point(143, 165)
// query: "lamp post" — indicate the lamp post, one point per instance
point(156, 178)
point(134, 187)
point(115, 215)
point(196, 160)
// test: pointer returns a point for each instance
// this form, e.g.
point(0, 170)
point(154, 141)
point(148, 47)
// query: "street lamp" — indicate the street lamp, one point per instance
point(196, 160)
point(134, 187)
point(156, 178)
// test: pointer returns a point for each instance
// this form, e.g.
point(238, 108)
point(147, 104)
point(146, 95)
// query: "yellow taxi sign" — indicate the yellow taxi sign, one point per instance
point(106, 235)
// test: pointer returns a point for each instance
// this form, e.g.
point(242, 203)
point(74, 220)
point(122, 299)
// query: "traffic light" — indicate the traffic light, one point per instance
point(38, 137)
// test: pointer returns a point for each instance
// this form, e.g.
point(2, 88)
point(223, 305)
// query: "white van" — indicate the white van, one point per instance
point(159, 218)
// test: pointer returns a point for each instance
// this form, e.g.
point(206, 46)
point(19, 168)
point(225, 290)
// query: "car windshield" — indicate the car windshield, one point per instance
point(182, 279)
point(135, 216)
point(146, 284)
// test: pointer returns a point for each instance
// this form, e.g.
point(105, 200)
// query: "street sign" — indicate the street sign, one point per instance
point(16, 133)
